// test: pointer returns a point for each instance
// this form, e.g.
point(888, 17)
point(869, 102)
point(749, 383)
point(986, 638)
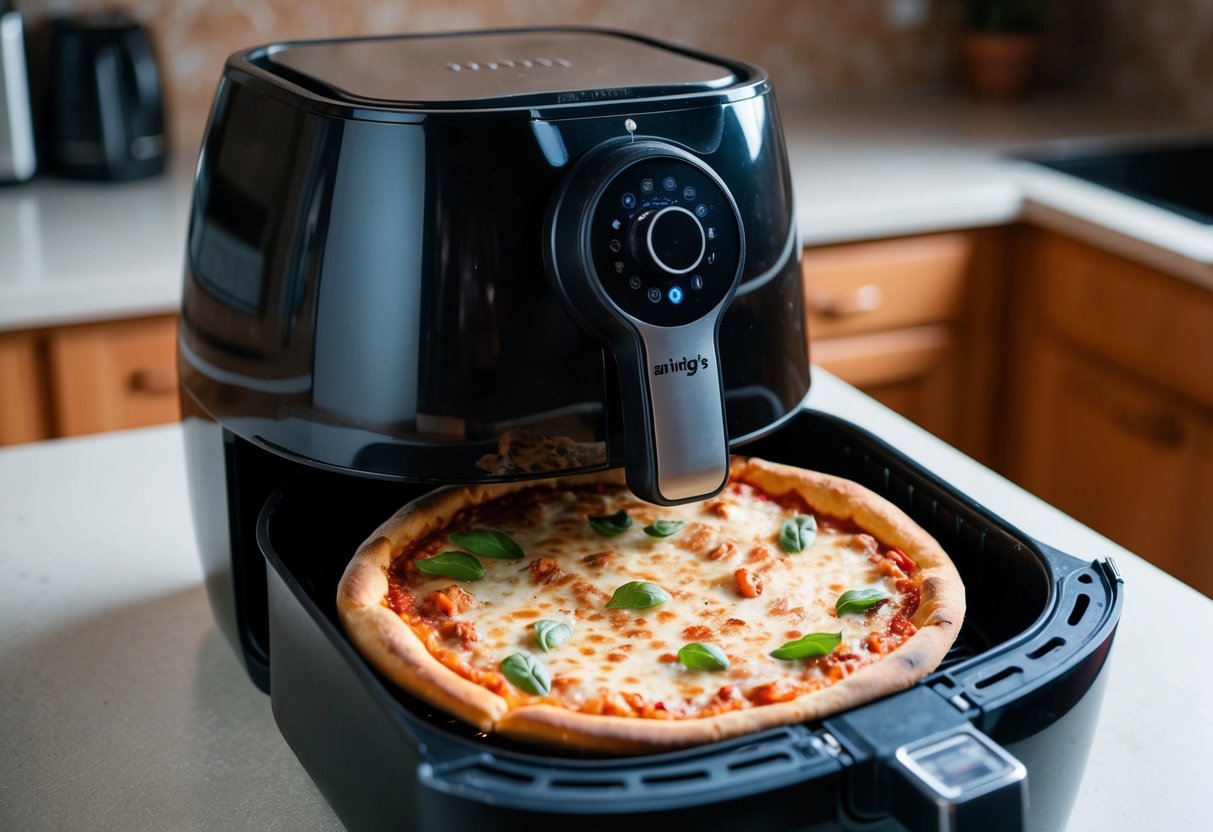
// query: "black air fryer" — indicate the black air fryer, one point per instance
point(506, 255)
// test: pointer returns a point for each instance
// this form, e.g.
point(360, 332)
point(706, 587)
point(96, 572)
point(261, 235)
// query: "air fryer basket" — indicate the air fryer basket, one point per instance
point(1026, 670)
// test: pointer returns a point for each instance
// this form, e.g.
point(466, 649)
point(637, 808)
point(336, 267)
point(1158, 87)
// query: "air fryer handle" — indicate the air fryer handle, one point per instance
point(673, 411)
point(961, 781)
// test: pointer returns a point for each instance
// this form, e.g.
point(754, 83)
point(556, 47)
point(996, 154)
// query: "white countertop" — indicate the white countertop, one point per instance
point(121, 706)
point(862, 169)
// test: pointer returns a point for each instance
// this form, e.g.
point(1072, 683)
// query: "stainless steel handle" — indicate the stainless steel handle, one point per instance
point(685, 408)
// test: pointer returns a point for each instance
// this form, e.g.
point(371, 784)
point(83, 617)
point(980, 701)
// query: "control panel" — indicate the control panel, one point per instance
point(664, 241)
point(645, 248)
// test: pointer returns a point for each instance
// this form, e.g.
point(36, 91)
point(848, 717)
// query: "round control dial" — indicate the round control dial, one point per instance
point(664, 240)
point(668, 241)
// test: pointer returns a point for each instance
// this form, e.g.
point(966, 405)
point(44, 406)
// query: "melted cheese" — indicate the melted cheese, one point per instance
point(633, 651)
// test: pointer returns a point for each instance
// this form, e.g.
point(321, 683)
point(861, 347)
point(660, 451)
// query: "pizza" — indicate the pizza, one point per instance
point(567, 612)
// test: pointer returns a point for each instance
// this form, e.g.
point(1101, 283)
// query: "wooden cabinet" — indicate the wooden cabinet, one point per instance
point(1112, 397)
point(914, 323)
point(72, 380)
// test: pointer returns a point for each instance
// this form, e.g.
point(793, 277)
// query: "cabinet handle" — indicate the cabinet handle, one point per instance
point(866, 298)
point(156, 381)
point(1156, 427)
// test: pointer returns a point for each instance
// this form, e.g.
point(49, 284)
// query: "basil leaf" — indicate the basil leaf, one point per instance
point(611, 524)
point(811, 646)
point(700, 656)
point(664, 528)
point(798, 534)
point(458, 565)
point(487, 544)
point(551, 633)
point(637, 595)
point(527, 674)
point(859, 600)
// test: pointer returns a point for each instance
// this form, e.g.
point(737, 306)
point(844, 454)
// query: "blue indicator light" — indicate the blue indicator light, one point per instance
point(675, 295)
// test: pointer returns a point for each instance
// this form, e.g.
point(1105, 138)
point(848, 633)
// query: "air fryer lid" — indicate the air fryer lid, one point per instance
point(489, 69)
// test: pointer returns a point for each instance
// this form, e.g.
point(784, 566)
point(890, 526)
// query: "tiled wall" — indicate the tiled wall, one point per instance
point(1162, 52)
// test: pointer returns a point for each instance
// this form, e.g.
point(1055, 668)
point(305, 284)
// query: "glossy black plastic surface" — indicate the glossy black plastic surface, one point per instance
point(367, 292)
point(1029, 663)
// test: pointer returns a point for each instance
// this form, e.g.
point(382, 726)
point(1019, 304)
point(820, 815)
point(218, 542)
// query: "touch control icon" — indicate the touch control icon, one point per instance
point(675, 295)
point(654, 294)
point(629, 201)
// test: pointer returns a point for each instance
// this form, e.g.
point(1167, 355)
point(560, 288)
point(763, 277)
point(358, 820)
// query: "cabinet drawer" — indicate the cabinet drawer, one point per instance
point(866, 287)
point(24, 415)
point(1152, 323)
point(114, 375)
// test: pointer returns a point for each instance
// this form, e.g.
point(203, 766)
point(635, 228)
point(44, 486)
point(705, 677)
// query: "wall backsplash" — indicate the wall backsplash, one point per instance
point(1145, 51)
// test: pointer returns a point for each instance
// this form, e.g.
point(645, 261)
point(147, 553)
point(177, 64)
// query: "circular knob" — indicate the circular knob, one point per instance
point(668, 241)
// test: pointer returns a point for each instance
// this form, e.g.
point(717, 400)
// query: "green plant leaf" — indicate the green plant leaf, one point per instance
point(798, 533)
point(700, 656)
point(487, 544)
point(551, 633)
point(458, 565)
point(811, 646)
point(637, 595)
point(610, 525)
point(663, 528)
point(859, 600)
point(527, 673)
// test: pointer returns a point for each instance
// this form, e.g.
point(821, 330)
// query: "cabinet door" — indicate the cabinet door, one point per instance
point(23, 408)
point(114, 375)
point(1118, 454)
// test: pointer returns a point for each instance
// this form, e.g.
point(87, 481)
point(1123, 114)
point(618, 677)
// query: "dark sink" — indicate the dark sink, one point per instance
point(1177, 177)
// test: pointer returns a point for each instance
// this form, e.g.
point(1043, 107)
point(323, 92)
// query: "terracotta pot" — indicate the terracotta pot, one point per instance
point(998, 66)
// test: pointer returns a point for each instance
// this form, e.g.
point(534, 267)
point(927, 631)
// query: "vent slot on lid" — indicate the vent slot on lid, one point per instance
point(675, 777)
point(594, 785)
point(1048, 647)
point(1005, 673)
point(759, 761)
point(1080, 609)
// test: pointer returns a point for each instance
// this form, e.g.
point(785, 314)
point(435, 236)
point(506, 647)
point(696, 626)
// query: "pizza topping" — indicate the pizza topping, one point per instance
point(637, 595)
point(903, 562)
point(458, 565)
point(447, 602)
point(700, 656)
point(748, 586)
point(527, 674)
point(463, 632)
point(859, 600)
point(697, 632)
point(487, 544)
point(610, 525)
point(545, 571)
point(550, 633)
point(663, 528)
point(722, 551)
point(798, 533)
point(809, 646)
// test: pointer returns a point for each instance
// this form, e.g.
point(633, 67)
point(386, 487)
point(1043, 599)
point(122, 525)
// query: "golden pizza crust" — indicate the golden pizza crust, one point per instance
point(391, 645)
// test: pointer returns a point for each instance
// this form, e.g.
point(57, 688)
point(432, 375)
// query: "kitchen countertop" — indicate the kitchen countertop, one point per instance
point(121, 706)
point(863, 168)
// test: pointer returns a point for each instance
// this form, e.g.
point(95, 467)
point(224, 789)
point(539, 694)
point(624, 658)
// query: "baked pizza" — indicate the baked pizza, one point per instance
point(569, 613)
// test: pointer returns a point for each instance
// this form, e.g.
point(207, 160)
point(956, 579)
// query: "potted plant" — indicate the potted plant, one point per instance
point(1000, 44)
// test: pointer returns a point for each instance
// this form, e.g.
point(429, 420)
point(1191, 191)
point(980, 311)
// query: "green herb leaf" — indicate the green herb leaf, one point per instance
point(458, 565)
point(637, 595)
point(611, 524)
point(700, 656)
point(487, 544)
point(663, 528)
point(859, 600)
point(798, 534)
point(551, 633)
point(527, 674)
point(811, 646)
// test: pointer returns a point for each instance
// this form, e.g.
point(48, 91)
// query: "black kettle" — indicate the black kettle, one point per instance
point(105, 116)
